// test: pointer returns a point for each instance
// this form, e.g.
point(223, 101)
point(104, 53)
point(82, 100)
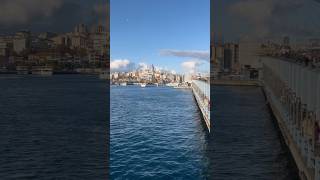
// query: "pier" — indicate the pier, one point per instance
point(293, 93)
point(292, 90)
point(201, 92)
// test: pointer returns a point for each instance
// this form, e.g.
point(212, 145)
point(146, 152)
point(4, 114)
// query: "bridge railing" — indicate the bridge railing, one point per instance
point(201, 92)
point(295, 91)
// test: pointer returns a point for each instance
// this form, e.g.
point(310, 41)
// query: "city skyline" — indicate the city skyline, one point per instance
point(162, 33)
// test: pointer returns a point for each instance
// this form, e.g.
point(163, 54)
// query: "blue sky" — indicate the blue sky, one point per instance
point(166, 33)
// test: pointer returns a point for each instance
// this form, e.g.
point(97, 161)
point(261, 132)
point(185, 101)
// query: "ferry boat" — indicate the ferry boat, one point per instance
point(149, 84)
point(42, 70)
point(172, 84)
point(123, 84)
point(143, 84)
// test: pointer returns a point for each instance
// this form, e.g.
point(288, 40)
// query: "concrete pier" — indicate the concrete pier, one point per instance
point(220, 82)
point(201, 92)
point(293, 92)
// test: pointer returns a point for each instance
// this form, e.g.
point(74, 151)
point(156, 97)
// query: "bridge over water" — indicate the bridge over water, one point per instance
point(293, 92)
point(201, 92)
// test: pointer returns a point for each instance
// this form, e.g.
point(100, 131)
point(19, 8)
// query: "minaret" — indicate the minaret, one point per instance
point(153, 74)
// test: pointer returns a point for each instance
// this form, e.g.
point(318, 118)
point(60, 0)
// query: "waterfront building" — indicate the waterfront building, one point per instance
point(21, 41)
point(187, 78)
point(62, 40)
point(79, 41)
point(249, 51)
point(4, 49)
point(99, 39)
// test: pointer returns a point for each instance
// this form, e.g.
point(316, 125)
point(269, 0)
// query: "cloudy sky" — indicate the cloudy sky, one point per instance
point(170, 34)
point(235, 19)
point(49, 15)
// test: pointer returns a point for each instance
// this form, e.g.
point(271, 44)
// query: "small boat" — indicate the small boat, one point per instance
point(123, 84)
point(152, 84)
point(172, 84)
point(143, 84)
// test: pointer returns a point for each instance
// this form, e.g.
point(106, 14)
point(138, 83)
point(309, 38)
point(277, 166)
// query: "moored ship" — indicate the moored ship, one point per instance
point(143, 84)
point(123, 84)
point(149, 84)
point(42, 70)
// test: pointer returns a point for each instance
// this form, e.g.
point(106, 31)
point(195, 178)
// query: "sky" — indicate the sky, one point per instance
point(234, 20)
point(170, 34)
point(49, 15)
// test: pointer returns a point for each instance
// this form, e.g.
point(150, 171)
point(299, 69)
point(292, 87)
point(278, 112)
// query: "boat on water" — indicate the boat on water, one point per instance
point(149, 84)
point(172, 84)
point(42, 70)
point(182, 86)
point(152, 85)
point(123, 84)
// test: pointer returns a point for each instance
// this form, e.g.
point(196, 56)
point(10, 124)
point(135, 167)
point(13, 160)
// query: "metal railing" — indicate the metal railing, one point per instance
point(201, 91)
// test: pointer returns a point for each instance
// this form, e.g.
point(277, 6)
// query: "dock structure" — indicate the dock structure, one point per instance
point(293, 92)
point(201, 92)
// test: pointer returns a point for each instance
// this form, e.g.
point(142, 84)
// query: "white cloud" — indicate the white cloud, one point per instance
point(119, 64)
point(173, 72)
point(143, 66)
point(199, 59)
point(23, 11)
point(197, 54)
point(191, 65)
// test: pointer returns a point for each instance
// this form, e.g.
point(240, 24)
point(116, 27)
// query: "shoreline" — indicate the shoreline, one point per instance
point(220, 82)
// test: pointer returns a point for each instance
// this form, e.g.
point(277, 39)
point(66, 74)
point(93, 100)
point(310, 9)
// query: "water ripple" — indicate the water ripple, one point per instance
point(157, 133)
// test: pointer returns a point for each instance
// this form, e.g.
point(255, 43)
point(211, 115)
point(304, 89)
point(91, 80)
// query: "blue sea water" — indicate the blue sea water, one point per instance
point(158, 133)
point(53, 127)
